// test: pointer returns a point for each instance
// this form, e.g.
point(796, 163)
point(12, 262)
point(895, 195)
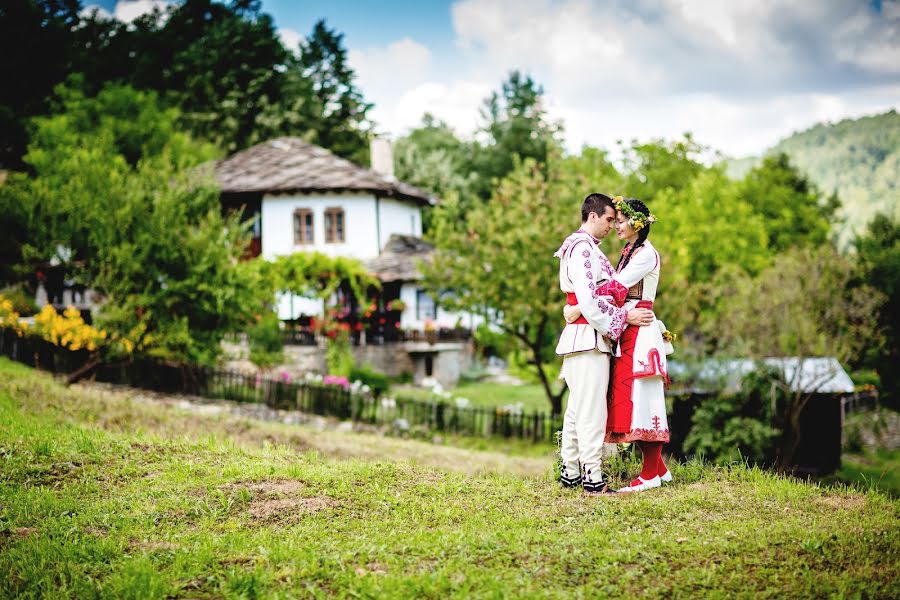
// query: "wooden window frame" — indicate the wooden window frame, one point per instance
point(331, 228)
point(300, 232)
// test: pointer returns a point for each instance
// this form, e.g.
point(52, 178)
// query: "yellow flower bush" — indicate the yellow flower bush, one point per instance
point(69, 330)
point(10, 319)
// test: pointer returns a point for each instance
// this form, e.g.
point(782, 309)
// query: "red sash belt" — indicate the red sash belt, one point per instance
point(571, 300)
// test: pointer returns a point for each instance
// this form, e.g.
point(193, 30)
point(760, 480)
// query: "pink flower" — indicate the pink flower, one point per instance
point(337, 380)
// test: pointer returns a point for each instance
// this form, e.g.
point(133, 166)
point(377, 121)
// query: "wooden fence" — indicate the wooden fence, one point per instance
point(306, 396)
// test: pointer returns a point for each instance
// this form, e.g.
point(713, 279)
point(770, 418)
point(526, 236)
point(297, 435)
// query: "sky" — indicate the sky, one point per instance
point(738, 74)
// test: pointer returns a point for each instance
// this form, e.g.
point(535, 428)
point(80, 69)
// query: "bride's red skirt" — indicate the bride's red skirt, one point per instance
point(620, 404)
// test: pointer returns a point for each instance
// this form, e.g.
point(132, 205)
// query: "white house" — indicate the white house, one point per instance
point(303, 198)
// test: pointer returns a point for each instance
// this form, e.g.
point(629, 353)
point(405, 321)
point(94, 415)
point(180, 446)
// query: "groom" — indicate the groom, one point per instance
point(585, 344)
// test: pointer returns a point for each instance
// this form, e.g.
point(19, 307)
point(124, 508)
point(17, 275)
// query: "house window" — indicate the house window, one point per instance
point(425, 307)
point(334, 225)
point(303, 226)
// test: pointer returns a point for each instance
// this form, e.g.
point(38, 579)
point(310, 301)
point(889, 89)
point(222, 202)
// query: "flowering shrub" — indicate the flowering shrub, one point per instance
point(337, 380)
point(69, 330)
point(9, 318)
point(396, 305)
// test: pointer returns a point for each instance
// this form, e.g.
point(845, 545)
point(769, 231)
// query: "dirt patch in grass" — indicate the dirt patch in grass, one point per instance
point(844, 502)
point(25, 532)
point(281, 509)
point(151, 546)
point(279, 500)
point(275, 488)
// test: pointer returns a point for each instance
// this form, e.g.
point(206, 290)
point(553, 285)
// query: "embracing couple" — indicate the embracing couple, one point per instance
point(613, 347)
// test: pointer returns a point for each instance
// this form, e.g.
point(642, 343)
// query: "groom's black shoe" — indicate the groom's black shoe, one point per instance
point(597, 488)
point(569, 482)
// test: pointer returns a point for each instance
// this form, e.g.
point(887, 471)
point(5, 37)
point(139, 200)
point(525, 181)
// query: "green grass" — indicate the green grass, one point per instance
point(488, 395)
point(106, 494)
point(877, 469)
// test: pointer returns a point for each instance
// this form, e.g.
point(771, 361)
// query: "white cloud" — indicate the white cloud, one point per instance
point(456, 103)
point(129, 10)
point(91, 9)
point(389, 73)
point(739, 74)
point(404, 61)
point(290, 39)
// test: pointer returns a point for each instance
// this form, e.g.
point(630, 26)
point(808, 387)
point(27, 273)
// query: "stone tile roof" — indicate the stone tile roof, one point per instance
point(289, 164)
point(398, 260)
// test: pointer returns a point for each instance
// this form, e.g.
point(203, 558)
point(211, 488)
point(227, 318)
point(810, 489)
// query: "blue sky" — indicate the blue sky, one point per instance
point(739, 74)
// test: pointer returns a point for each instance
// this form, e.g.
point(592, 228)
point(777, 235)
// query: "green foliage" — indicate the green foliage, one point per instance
point(705, 232)
point(342, 125)
point(656, 166)
point(811, 302)
point(740, 426)
point(879, 254)
point(496, 259)
point(491, 342)
point(516, 128)
point(264, 339)
point(318, 275)
point(22, 302)
point(793, 211)
point(857, 159)
point(222, 65)
point(338, 354)
point(378, 382)
point(115, 196)
point(433, 158)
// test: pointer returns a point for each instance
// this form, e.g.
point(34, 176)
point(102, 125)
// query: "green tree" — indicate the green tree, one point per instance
point(433, 158)
point(146, 231)
point(812, 302)
point(515, 125)
point(879, 255)
point(495, 258)
point(35, 43)
point(794, 211)
point(343, 125)
point(653, 167)
point(705, 233)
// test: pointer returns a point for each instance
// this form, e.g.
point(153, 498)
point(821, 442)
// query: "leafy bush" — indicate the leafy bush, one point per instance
point(338, 355)
point(492, 343)
point(378, 382)
point(266, 344)
point(22, 302)
point(736, 427)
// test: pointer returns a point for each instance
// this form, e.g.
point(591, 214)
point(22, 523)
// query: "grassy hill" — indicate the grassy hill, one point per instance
point(858, 158)
point(105, 494)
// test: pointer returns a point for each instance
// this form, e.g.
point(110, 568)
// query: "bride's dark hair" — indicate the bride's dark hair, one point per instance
point(642, 234)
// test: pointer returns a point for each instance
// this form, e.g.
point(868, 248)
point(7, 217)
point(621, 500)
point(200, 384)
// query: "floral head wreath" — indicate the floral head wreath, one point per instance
point(636, 219)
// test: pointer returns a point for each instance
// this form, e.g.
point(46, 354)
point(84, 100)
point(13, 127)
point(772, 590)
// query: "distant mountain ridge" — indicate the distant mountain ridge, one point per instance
point(858, 158)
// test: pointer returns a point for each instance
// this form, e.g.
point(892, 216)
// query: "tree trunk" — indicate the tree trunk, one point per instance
point(83, 371)
point(791, 433)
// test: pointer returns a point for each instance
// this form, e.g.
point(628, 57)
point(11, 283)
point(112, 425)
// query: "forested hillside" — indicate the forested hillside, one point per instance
point(857, 158)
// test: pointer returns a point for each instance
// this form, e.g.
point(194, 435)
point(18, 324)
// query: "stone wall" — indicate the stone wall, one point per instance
point(447, 360)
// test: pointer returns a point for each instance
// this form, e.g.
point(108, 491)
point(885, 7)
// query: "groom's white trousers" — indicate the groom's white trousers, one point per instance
point(584, 424)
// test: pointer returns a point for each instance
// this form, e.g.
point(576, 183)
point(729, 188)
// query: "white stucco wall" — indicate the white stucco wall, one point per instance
point(404, 218)
point(360, 223)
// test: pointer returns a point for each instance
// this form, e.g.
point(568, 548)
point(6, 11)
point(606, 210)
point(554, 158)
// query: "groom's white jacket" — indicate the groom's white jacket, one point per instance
point(582, 267)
